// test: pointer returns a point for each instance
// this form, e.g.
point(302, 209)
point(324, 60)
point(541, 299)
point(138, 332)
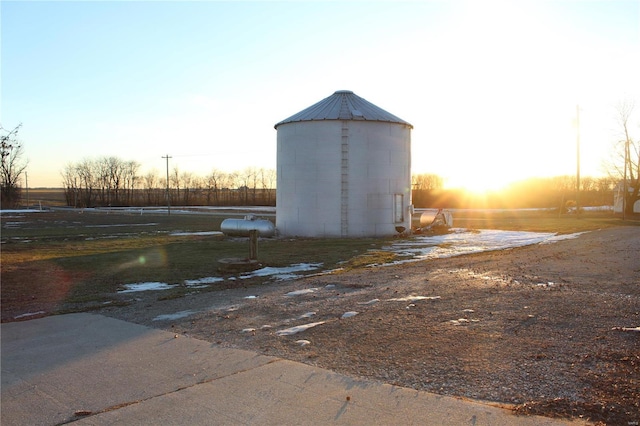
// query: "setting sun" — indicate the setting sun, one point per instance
point(480, 186)
point(479, 181)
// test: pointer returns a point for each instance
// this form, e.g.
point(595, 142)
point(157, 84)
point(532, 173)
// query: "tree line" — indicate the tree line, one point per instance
point(111, 181)
point(552, 192)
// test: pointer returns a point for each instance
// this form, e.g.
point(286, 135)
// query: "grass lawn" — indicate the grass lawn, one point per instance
point(79, 261)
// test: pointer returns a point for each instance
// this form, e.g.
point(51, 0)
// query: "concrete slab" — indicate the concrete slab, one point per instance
point(55, 366)
point(94, 370)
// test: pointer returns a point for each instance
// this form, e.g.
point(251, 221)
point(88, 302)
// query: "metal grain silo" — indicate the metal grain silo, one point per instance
point(344, 170)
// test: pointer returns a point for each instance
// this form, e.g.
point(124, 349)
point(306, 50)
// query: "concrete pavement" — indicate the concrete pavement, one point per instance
point(93, 370)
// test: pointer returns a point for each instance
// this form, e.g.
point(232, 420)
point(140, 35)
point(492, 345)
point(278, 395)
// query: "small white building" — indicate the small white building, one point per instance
point(343, 170)
point(618, 191)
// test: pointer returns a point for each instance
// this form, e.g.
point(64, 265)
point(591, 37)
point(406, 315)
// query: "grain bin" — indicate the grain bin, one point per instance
point(343, 170)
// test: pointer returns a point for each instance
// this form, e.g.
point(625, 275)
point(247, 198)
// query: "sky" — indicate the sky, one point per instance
point(492, 88)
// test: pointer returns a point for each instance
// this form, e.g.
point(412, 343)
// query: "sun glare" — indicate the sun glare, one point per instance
point(479, 183)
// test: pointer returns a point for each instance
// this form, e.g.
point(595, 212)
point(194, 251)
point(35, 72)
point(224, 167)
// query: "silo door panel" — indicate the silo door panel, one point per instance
point(398, 210)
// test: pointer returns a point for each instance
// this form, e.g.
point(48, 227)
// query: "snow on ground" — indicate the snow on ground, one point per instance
point(462, 241)
point(370, 302)
point(557, 238)
point(458, 242)
point(121, 225)
point(284, 273)
point(148, 286)
point(202, 233)
point(18, 211)
point(298, 328)
point(412, 298)
point(420, 247)
point(180, 210)
point(301, 292)
point(29, 314)
point(202, 282)
point(177, 315)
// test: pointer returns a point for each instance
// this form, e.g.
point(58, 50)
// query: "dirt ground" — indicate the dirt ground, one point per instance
point(545, 329)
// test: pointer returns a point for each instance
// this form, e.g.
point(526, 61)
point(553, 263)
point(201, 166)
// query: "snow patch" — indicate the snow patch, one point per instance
point(202, 233)
point(557, 238)
point(170, 317)
point(370, 302)
point(120, 225)
point(462, 241)
point(201, 282)
point(298, 328)
point(283, 273)
point(149, 286)
point(413, 298)
point(301, 292)
point(29, 314)
point(626, 328)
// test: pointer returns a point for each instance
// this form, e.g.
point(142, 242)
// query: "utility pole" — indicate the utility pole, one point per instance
point(577, 160)
point(168, 193)
point(26, 183)
point(625, 189)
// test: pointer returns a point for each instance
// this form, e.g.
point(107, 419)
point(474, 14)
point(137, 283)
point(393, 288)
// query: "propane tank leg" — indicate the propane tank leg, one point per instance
point(253, 244)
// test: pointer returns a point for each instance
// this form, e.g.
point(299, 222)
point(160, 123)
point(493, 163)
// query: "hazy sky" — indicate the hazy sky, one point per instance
point(491, 87)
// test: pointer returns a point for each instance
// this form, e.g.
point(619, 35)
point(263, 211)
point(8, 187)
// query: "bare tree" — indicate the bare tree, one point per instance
point(248, 181)
point(588, 183)
point(229, 183)
point(626, 159)
point(197, 186)
point(151, 184)
point(268, 182)
point(212, 184)
point(425, 188)
point(114, 167)
point(12, 166)
point(86, 171)
point(605, 184)
point(104, 181)
point(186, 179)
point(69, 183)
point(426, 181)
point(174, 179)
point(131, 178)
point(564, 183)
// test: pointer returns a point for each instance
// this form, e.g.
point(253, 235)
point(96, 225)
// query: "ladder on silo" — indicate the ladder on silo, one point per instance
point(344, 180)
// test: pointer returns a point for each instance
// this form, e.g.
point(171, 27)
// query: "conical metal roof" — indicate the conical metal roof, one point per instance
point(344, 105)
